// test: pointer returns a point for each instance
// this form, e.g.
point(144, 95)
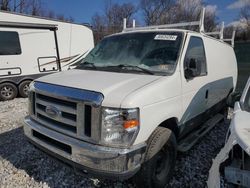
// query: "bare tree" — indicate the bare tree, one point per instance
point(51, 14)
point(245, 19)
point(5, 4)
point(99, 27)
point(115, 13)
point(210, 18)
point(112, 19)
point(18, 5)
point(36, 7)
point(245, 14)
point(188, 10)
point(156, 11)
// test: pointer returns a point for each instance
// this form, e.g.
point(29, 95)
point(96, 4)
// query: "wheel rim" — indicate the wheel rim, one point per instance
point(26, 89)
point(162, 164)
point(7, 92)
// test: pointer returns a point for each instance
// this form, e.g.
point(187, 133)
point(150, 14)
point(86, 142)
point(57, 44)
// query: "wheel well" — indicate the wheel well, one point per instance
point(8, 81)
point(171, 124)
point(26, 79)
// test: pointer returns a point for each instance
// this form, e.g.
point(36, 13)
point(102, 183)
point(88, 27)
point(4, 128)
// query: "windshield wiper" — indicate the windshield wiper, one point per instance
point(86, 64)
point(133, 67)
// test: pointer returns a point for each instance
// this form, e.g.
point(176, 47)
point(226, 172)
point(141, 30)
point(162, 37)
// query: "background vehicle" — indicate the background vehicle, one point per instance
point(32, 47)
point(233, 160)
point(137, 98)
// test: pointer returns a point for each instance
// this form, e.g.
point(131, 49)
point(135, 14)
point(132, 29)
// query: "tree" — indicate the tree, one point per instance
point(99, 27)
point(36, 7)
point(5, 5)
point(31, 7)
point(244, 30)
point(112, 19)
point(156, 12)
point(245, 14)
point(115, 13)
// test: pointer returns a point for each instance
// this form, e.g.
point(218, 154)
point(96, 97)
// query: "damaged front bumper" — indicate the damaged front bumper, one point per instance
point(93, 160)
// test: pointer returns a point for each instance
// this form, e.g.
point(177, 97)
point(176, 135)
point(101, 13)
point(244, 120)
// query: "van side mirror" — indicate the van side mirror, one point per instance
point(192, 68)
point(233, 98)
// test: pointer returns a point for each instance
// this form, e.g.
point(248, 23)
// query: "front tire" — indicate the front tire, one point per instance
point(159, 159)
point(8, 91)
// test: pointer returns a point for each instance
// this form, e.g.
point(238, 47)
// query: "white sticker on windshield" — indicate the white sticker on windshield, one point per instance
point(166, 37)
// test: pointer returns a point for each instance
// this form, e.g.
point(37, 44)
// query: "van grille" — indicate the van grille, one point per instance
point(72, 118)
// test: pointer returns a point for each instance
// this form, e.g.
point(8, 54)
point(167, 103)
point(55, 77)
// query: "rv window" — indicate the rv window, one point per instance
point(196, 51)
point(9, 43)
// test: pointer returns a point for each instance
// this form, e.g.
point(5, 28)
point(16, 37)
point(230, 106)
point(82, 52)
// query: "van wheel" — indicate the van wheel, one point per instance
point(24, 88)
point(159, 159)
point(8, 91)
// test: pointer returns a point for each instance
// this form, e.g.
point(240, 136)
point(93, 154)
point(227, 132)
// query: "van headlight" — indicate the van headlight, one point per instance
point(119, 126)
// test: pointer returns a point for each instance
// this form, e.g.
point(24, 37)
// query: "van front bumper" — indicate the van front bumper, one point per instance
point(93, 160)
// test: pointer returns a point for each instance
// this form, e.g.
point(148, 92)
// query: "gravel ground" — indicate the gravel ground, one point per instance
point(22, 165)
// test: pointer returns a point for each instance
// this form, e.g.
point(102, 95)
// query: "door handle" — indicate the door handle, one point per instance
point(206, 94)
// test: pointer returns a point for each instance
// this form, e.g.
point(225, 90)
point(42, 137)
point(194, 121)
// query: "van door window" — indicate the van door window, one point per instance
point(195, 59)
point(9, 43)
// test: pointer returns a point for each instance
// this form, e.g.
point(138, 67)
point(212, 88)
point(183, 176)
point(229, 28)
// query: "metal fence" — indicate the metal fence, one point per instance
point(242, 51)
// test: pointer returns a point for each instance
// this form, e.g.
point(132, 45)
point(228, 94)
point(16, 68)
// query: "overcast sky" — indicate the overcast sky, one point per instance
point(83, 10)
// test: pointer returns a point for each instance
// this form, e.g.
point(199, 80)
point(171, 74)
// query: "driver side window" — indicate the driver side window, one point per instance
point(195, 57)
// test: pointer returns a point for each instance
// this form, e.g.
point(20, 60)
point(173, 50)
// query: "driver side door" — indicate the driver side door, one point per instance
point(195, 83)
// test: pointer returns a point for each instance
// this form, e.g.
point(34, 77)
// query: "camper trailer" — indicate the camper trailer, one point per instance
point(31, 47)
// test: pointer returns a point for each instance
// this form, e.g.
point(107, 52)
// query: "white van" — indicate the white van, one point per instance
point(31, 47)
point(127, 108)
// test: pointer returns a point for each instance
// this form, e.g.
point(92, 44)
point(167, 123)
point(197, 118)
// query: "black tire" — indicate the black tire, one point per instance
point(8, 91)
point(23, 88)
point(159, 159)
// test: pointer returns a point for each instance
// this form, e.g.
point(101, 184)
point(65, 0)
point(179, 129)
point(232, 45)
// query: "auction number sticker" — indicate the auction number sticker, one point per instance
point(166, 37)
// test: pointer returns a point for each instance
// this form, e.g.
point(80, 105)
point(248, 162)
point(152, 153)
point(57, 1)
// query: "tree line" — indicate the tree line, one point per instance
point(153, 12)
point(157, 12)
point(32, 7)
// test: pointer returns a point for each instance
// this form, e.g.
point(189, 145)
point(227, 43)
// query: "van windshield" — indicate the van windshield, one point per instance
point(152, 52)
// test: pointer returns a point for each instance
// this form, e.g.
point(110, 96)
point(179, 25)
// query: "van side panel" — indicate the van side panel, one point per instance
point(222, 70)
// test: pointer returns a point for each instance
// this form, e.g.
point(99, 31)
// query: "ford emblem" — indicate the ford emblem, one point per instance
point(52, 111)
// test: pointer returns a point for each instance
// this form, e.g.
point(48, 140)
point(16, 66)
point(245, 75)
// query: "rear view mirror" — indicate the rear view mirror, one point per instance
point(193, 68)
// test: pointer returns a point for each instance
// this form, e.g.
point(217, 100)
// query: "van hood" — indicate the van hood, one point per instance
point(114, 86)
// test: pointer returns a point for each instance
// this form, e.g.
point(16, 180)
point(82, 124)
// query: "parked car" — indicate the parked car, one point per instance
point(32, 47)
point(126, 109)
point(232, 163)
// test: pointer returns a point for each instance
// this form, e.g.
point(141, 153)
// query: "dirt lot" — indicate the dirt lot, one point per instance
point(22, 165)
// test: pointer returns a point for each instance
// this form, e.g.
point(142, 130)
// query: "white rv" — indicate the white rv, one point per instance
point(31, 47)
